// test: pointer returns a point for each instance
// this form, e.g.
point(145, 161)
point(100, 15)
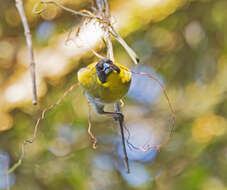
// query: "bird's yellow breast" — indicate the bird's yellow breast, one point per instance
point(115, 87)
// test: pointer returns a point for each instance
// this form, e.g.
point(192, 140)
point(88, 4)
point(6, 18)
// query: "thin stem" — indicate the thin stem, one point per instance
point(84, 13)
point(28, 37)
point(118, 116)
point(103, 6)
point(92, 136)
point(95, 53)
point(107, 10)
point(120, 122)
point(110, 54)
point(100, 6)
point(129, 50)
point(18, 163)
point(149, 147)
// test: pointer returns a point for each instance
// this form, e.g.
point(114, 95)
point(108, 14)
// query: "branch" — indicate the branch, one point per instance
point(28, 37)
point(18, 163)
point(121, 125)
point(92, 136)
point(129, 50)
point(84, 13)
point(109, 47)
point(149, 147)
point(103, 16)
point(103, 6)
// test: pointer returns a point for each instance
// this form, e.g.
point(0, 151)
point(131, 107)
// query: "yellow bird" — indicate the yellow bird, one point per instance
point(104, 82)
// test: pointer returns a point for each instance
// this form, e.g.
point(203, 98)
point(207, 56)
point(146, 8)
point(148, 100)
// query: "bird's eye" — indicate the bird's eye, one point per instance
point(107, 71)
point(106, 65)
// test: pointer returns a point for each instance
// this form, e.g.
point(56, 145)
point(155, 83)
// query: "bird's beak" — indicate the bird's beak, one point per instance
point(115, 68)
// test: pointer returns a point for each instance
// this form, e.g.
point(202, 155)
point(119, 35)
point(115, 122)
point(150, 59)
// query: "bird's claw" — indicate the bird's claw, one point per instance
point(118, 116)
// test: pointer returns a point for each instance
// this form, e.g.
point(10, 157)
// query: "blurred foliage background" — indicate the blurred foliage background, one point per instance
point(181, 42)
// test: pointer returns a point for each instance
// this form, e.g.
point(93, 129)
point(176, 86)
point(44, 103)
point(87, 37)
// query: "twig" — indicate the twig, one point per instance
point(18, 163)
point(84, 13)
point(92, 136)
point(109, 47)
point(100, 6)
point(129, 50)
point(103, 7)
point(103, 16)
point(149, 147)
point(28, 37)
point(107, 10)
point(120, 123)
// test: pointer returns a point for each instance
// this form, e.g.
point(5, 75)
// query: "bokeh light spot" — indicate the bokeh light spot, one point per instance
point(194, 34)
point(143, 89)
point(12, 17)
point(45, 31)
point(205, 128)
point(6, 53)
point(139, 175)
point(6, 181)
point(6, 121)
